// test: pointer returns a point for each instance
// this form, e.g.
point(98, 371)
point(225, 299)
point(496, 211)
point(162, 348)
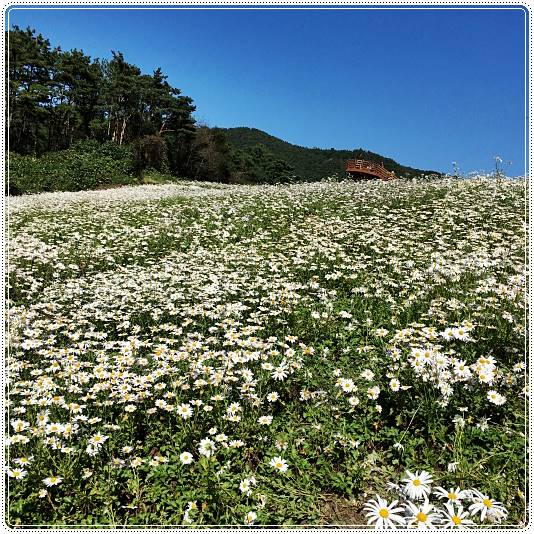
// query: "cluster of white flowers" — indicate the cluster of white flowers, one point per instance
point(420, 506)
point(178, 307)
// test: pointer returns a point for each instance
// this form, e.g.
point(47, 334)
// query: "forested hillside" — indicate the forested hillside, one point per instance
point(311, 163)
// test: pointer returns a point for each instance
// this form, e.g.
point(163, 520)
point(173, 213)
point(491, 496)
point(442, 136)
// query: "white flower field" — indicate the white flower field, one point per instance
point(313, 354)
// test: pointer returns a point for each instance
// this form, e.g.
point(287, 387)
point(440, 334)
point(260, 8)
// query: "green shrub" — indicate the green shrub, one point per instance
point(87, 165)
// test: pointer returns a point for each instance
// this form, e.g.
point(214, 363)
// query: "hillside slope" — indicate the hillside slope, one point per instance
point(311, 163)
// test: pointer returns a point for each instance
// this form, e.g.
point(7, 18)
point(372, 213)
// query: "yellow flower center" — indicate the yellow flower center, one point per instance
point(421, 517)
point(456, 520)
point(384, 512)
point(416, 482)
point(279, 465)
point(53, 479)
point(487, 503)
point(452, 496)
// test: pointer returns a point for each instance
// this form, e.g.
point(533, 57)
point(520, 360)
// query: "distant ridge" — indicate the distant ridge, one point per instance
point(312, 164)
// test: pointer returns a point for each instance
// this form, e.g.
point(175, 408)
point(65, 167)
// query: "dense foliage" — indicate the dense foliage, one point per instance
point(210, 354)
point(256, 164)
point(86, 165)
point(58, 97)
point(312, 163)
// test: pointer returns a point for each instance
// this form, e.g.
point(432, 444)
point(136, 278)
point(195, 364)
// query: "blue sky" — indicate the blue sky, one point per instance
point(426, 87)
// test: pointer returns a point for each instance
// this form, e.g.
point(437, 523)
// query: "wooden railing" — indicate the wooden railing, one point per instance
point(369, 167)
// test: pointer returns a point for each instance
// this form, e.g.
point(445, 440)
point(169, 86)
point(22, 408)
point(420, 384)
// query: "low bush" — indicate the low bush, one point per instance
point(87, 165)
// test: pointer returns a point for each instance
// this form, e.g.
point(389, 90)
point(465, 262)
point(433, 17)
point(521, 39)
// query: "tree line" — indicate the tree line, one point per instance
point(58, 100)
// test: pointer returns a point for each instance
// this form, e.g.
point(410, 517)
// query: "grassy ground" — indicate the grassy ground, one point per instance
point(304, 344)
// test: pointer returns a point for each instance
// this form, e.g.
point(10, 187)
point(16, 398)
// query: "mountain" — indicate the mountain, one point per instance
point(311, 164)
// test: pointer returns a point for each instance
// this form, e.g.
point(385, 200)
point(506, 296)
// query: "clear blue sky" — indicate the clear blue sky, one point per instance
point(425, 87)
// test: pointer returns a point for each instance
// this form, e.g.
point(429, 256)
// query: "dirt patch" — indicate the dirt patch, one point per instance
point(338, 512)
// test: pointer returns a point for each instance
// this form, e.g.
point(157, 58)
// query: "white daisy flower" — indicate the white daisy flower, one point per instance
point(273, 396)
point(186, 458)
point(265, 420)
point(279, 463)
point(382, 514)
point(185, 411)
point(455, 518)
point(52, 481)
point(17, 473)
point(496, 398)
point(394, 385)
point(372, 393)
point(250, 517)
point(367, 374)
point(417, 486)
point(422, 515)
point(453, 496)
point(206, 447)
point(485, 506)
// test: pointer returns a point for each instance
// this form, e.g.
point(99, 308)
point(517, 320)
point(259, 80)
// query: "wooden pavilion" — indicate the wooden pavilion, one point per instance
point(360, 169)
